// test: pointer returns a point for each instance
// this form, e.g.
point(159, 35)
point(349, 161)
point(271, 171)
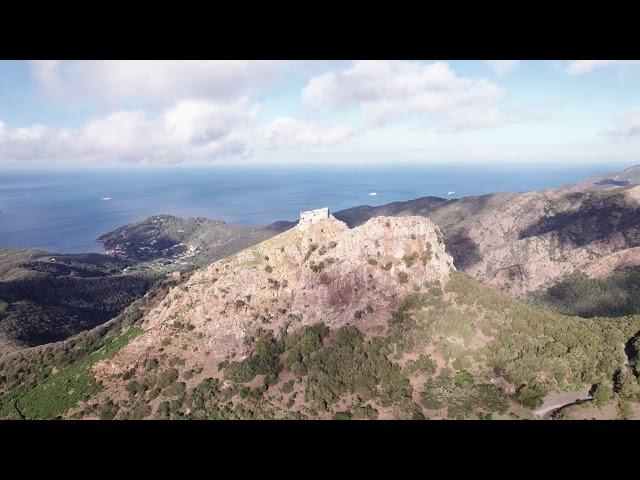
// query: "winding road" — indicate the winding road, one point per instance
point(558, 400)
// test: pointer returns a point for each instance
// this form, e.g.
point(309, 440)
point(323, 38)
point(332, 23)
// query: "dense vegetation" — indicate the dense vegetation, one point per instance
point(350, 365)
point(48, 298)
point(578, 294)
point(463, 396)
point(263, 361)
point(534, 345)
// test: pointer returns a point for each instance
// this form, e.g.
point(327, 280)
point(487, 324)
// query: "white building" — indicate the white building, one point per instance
point(312, 216)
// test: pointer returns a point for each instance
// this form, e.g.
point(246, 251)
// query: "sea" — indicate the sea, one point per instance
point(65, 211)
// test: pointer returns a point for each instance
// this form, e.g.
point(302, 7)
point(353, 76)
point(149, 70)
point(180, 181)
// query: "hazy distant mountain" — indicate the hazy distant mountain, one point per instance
point(200, 240)
point(627, 177)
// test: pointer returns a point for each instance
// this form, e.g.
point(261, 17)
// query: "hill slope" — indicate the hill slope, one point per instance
point(196, 240)
point(50, 297)
point(521, 243)
point(326, 322)
point(46, 297)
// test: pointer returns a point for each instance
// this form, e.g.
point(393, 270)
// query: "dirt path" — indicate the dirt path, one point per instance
point(558, 400)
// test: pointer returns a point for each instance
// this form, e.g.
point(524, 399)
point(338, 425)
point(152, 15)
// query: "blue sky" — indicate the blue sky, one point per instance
point(86, 114)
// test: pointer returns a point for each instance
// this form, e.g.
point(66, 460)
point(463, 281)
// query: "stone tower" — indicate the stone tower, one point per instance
point(312, 216)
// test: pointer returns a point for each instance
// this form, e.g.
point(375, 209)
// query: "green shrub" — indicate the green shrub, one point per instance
point(134, 387)
point(531, 395)
point(176, 361)
point(602, 393)
point(151, 364)
point(463, 378)
point(365, 412)
point(426, 255)
point(342, 415)
point(167, 377)
point(626, 386)
point(311, 249)
point(175, 389)
point(108, 410)
point(301, 344)
point(264, 360)
point(423, 364)
point(287, 387)
point(316, 267)
point(409, 260)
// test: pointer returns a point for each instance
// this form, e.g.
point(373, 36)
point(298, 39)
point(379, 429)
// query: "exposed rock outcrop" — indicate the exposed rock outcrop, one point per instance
point(324, 273)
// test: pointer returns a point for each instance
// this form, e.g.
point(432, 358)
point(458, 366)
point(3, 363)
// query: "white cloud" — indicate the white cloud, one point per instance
point(389, 90)
point(190, 130)
point(287, 132)
point(502, 67)
point(160, 82)
point(580, 67)
point(627, 125)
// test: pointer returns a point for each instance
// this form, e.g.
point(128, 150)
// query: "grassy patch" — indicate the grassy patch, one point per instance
point(64, 389)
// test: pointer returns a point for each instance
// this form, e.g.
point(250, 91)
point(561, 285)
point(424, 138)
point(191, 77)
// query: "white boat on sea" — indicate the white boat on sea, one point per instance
point(106, 199)
point(373, 194)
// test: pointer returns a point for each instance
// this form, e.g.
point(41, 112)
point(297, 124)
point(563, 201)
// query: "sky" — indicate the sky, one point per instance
point(157, 113)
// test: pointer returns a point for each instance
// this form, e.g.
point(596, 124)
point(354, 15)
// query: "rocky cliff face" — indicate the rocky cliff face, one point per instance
point(324, 273)
point(523, 242)
point(533, 239)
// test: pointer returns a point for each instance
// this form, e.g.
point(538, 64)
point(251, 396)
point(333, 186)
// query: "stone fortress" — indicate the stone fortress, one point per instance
point(312, 216)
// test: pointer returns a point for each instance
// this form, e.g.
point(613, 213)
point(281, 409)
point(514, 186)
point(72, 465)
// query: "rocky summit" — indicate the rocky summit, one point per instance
point(325, 273)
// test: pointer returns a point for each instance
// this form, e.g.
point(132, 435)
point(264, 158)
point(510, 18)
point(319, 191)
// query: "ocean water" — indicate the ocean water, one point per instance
point(65, 211)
